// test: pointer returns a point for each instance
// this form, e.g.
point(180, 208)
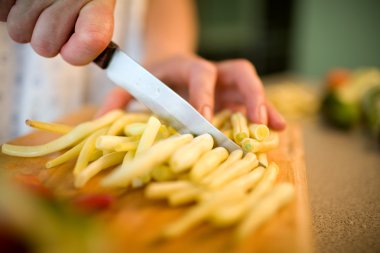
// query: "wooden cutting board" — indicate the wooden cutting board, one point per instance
point(138, 221)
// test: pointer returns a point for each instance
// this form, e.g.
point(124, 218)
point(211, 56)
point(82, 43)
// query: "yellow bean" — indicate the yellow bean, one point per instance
point(267, 207)
point(226, 126)
point(128, 118)
point(233, 213)
point(186, 156)
point(263, 159)
point(163, 133)
point(149, 135)
point(94, 168)
point(228, 133)
point(88, 148)
point(134, 129)
point(140, 181)
point(68, 155)
point(264, 184)
point(258, 131)
point(184, 196)
point(220, 118)
point(235, 156)
point(141, 165)
point(208, 162)
point(239, 168)
point(163, 190)
point(162, 173)
point(109, 142)
point(95, 155)
point(50, 127)
point(248, 181)
point(65, 141)
point(127, 146)
point(252, 145)
point(239, 127)
point(71, 154)
point(199, 212)
point(171, 130)
point(228, 214)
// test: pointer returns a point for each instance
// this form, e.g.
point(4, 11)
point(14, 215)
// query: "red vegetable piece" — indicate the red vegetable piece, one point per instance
point(93, 202)
point(337, 77)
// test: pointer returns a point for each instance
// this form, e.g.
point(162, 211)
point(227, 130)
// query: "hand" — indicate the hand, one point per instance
point(232, 84)
point(77, 29)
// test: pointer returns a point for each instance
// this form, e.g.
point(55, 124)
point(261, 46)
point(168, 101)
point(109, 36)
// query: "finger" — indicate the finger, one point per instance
point(93, 32)
point(173, 71)
point(193, 73)
point(5, 7)
point(54, 26)
point(22, 18)
point(226, 95)
point(202, 80)
point(275, 120)
point(117, 98)
point(242, 74)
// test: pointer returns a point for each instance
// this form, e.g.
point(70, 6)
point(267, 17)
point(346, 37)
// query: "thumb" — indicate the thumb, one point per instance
point(93, 32)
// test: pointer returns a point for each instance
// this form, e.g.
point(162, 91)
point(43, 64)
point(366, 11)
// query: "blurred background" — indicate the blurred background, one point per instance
point(307, 37)
point(296, 45)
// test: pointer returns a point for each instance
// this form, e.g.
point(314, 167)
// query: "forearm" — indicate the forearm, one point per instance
point(171, 29)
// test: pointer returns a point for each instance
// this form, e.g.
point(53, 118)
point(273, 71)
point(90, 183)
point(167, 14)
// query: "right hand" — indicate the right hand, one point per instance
point(79, 30)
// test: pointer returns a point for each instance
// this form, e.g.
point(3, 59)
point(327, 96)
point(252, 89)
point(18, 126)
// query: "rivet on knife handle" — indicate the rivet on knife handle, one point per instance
point(105, 57)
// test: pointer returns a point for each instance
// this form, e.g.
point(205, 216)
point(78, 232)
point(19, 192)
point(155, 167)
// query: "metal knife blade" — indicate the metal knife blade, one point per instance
point(157, 96)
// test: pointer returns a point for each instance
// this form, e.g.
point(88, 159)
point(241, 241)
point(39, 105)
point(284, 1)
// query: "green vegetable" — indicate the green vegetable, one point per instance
point(341, 106)
point(340, 113)
point(371, 111)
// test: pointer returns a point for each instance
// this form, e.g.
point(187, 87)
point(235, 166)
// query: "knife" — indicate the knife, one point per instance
point(157, 96)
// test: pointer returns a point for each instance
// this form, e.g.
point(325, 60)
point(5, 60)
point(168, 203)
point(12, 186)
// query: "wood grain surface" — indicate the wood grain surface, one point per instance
point(136, 222)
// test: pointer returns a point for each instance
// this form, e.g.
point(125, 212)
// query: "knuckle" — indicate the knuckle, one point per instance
point(95, 40)
point(17, 34)
point(245, 65)
point(44, 47)
point(205, 67)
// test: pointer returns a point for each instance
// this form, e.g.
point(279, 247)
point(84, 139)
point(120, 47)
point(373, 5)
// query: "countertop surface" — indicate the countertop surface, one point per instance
point(343, 170)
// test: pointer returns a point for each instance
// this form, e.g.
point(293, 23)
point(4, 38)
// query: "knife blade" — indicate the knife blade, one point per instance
point(157, 96)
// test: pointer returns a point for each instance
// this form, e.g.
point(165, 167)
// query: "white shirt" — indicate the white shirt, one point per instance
point(33, 87)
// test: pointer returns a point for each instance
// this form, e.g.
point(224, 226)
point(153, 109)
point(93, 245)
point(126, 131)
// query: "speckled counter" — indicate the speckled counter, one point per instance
point(344, 186)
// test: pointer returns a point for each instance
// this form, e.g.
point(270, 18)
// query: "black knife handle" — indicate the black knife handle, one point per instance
point(105, 57)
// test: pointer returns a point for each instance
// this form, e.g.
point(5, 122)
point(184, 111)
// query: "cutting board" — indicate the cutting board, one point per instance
point(137, 221)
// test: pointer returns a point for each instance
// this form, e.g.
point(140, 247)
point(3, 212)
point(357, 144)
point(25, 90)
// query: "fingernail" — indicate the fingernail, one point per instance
point(281, 119)
point(207, 112)
point(281, 122)
point(263, 114)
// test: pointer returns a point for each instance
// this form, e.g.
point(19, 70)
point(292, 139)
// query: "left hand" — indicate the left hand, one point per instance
point(208, 86)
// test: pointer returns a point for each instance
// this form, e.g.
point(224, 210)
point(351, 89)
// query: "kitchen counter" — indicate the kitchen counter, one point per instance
point(343, 171)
